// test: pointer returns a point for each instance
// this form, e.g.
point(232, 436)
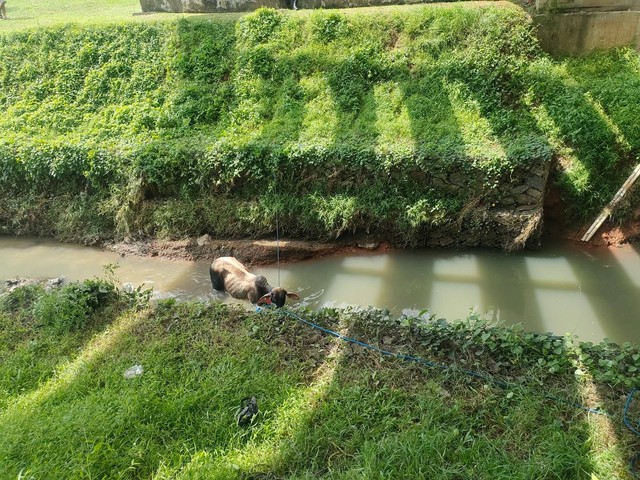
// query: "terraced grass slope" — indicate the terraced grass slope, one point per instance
point(336, 122)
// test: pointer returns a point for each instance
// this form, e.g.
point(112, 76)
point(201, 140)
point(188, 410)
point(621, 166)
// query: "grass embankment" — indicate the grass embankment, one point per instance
point(336, 120)
point(326, 409)
point(40, 13)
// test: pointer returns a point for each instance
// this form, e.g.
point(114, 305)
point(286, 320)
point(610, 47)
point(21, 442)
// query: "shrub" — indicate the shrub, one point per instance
point(70, 307)
point(327, 27)
point(20, 298)
point(261, 26)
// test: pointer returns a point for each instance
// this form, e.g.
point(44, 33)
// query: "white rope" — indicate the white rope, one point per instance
point(275, 186)
point(278, 244)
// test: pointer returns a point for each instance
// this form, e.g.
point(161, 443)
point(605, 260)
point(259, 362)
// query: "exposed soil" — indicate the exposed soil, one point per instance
point(264, 252)
point(250, 252)
point(557, 228)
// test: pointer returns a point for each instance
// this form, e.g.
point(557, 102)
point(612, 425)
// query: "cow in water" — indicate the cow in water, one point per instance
point(229, 275)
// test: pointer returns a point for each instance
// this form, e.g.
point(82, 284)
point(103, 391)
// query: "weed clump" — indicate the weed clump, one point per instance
point(70, 307)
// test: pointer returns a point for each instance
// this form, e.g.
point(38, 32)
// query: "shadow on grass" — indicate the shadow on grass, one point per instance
point(89, 418)
point(327, 409)
point(382, 418)
point(592, 144)
point(36, 354)
point(617, 92)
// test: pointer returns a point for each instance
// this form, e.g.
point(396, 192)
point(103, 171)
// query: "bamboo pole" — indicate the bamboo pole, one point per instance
point(606, 211)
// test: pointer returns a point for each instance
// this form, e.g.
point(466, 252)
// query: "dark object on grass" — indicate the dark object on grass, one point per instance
point(248, 409)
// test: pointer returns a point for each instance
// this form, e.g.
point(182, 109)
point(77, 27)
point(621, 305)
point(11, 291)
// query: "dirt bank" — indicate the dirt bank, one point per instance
point(264, 252)
point(555, 227)
point(250, 252)
point(609, 234)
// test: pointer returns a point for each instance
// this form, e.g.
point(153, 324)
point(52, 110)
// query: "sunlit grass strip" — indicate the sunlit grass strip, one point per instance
point(606, 450)
point(195, 372)
point(290, 416)
point(66, 373)
point(265, 446)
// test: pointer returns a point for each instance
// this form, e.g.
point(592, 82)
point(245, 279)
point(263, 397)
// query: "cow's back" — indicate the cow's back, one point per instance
point(228, 274)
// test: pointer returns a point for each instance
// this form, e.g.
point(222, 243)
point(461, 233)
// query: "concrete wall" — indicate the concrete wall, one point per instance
point(559, 6)
point(309, 4)
point(209, 6)
point(213, 6)
point(577, 27)
point(583, 32)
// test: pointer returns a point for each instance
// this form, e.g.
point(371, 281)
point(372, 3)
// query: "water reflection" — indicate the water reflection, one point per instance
point(591, 293)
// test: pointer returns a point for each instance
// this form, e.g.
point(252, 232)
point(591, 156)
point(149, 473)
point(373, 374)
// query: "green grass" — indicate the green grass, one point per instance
point(347, 120)
point(326, 410)
point(24, 14)
point(170, 115)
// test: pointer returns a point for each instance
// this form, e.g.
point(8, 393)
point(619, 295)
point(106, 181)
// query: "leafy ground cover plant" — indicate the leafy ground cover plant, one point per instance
point(340, 119)
point(326, 409)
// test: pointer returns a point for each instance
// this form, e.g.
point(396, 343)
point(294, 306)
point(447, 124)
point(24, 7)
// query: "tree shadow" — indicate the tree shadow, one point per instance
point(22, 413)
point(576, 123)
point(500, 274)
point(89, 418)
point(558, 290)
point(612, 295)
point(39, 350)
point(327, 408)
point(380, 417)
point(603, 75)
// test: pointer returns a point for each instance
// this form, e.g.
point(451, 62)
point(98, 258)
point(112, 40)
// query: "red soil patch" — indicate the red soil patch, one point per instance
point(556, 226)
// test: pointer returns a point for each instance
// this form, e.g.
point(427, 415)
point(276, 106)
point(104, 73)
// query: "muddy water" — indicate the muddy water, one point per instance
point(594, 294)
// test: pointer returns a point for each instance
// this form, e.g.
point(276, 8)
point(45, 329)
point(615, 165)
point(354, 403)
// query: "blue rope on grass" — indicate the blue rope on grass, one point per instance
point(401, 356)
point(634, 463)
point(628, 423)
point(500, 383)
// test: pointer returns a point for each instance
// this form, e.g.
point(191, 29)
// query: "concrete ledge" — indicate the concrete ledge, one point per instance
point(221, 6)
point(208, 6)
point(310, 4)
point(566, 6)
point(581, 33)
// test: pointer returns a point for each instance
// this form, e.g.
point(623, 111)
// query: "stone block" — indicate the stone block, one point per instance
point(519, 189)
point(536, 182)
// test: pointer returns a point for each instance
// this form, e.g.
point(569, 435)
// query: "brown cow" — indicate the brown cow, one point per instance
point(228, 274)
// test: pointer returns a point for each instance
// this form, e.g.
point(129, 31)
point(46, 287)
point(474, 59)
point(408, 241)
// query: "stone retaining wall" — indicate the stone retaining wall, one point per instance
point(507, 216)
